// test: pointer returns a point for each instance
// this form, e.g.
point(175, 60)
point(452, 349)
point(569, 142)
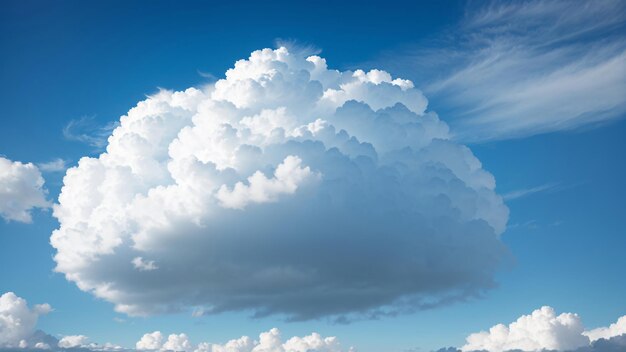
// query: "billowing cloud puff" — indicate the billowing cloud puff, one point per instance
point(21, 190)
point(616, 329)
point(269, 341)
point(150, 341)
point(178, 342)
point(544, 330)
point(313, 342)
point(284, 188)
point(42, 346)
point(73, 341)
point(17, 320)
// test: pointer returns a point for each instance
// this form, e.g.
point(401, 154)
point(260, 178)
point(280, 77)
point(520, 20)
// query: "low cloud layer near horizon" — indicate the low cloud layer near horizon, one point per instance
point(285, 188)
point(542, 330)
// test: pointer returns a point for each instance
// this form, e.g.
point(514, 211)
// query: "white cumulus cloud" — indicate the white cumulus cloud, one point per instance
point(21, 190)
point(73, 341)
point(17, 320)
point(177, 343)
point(150, 341)
point(616, 329)
point(42, 346)
point(260, 189)
point(284, 188)
point(313, 342)
point(542, 330)
point(269, 341)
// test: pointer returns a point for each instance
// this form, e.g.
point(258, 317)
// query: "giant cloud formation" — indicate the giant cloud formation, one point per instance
point(284, 188)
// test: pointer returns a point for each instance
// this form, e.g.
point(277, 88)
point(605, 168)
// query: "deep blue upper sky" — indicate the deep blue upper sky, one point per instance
point(67, 60)
point(125, 50)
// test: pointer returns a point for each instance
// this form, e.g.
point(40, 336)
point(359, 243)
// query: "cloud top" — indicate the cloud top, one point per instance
point(284, 188)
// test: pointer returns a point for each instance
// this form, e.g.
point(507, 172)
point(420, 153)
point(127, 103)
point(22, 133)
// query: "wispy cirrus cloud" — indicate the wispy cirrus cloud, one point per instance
point(515, 69)
point(86, 130)
point(520, 193)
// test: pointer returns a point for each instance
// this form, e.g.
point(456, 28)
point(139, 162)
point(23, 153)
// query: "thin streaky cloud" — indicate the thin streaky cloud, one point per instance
point(86, 130)
point(516, 69)
point(520, 193)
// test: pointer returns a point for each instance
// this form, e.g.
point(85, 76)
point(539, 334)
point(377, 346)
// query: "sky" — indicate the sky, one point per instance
point(402, 176)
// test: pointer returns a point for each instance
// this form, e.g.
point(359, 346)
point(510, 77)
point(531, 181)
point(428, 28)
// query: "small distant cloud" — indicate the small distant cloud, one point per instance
point(55, 165)
point(21, 190)
point(42, 346)
point(86, 130)
point(144, 265)
point(73, 341)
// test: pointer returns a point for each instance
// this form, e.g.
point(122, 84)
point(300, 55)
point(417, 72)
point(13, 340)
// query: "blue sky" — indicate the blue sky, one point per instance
point(536, 90)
